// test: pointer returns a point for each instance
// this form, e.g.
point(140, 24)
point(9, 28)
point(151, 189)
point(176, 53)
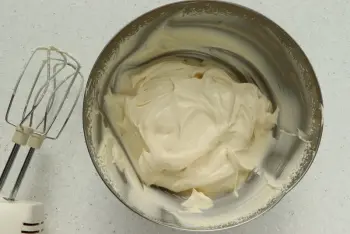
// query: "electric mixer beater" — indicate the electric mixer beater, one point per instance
point(47, 107)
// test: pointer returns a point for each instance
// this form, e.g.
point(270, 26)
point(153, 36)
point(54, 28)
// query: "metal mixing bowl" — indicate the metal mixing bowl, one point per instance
point(246, 44)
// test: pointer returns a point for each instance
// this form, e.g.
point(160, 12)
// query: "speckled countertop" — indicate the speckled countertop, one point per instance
point(62, 175)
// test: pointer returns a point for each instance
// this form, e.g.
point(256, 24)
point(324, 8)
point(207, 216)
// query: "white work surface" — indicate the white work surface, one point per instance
point(62, 175)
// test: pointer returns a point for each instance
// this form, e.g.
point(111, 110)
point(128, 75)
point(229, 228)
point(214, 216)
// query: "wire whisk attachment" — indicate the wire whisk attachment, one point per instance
point(41, 104)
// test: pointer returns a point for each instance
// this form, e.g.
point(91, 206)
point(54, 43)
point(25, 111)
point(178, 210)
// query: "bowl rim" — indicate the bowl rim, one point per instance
point(229, 5)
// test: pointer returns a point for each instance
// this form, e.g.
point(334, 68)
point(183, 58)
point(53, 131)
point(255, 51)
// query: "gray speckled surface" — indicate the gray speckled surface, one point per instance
point(62, 175)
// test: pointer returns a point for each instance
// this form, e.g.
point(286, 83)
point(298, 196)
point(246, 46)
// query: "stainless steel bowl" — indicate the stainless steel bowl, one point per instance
point(243, 42)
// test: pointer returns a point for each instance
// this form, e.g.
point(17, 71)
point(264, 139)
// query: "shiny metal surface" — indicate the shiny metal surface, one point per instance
point(43, 108)
point(275, 63)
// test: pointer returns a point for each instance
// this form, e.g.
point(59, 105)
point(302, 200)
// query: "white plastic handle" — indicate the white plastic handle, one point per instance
point(21, 217)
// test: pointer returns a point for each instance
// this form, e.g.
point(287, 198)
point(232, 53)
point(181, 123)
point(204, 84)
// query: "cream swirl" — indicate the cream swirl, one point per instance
point(201, 129)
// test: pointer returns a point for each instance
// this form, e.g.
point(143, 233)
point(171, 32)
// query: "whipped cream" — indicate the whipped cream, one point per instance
point(197, 202)
point(194, 127)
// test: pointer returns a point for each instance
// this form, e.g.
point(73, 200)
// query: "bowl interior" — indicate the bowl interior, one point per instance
point(242, 42)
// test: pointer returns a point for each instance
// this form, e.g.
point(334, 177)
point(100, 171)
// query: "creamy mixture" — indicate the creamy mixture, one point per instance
point(196, 128)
